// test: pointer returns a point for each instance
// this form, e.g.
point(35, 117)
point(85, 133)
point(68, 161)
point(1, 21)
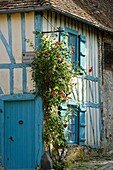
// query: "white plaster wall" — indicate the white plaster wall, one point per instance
point(18, 80)
point(29, 28)
point(4, 58)
point(29, 81)
point(5, 81)
point(16, 37)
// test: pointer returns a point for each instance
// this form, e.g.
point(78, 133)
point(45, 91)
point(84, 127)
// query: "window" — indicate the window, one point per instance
point(73, 125)
point(73, 44)
point(71, 120)
point(78, 44)
point(76, 119)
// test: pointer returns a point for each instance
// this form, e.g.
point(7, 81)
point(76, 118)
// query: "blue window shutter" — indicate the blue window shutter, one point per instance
point(82, 51)
point(82, 125)
point(61, 34)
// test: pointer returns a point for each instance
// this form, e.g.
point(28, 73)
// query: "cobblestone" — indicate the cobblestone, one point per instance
point(93, 165)
point(98, 163)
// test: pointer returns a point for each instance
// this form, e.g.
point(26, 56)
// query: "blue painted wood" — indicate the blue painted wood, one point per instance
point(93, 105)
point(82, 125)
point(38, 28)
point(72, 102)
point(21, 65)
point(82, 51)
point(39, 114)
point(10, 38)
point(38, 111)
point(92, 126)
point(1, 92)
point(28, 96)
point(23, 32)
point(11, 81)
point(24, 78)
point(8, 47)
point(72, 31)
point(73, 123)
point(96, 79)
point(82, 90)
point(10, 32)
point(23, 169)
point(2, 131)
point(61, 34)
point(19, 135)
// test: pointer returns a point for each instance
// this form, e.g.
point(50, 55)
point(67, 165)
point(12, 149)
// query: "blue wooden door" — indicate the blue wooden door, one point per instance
point(19, 135)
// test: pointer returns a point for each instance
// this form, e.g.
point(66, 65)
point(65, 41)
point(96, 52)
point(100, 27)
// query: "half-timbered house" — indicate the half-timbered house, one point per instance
point(89, 28)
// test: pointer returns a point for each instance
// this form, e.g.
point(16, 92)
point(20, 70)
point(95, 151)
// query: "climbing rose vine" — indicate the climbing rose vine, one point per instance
point(52, 73)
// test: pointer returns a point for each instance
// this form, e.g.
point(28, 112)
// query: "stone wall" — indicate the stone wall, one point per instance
point(106, 96)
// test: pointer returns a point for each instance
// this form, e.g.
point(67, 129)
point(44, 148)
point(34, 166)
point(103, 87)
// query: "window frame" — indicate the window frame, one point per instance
point(80, 53)
point(75, 33)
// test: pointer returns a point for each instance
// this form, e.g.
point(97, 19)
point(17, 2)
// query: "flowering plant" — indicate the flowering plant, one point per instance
point(52, 73)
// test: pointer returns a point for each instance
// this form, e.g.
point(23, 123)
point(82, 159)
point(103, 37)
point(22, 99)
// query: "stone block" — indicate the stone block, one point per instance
point(46, 162)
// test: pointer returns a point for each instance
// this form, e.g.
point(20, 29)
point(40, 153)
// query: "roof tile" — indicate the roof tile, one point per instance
point(99, 12)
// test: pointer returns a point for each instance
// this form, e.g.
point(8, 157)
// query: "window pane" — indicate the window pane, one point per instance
point(72, 44)
point(72, 137)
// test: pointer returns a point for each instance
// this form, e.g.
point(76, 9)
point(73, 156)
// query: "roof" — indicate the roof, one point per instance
point(95, 12)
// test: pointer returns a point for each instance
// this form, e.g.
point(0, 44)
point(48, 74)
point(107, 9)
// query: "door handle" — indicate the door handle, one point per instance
point(11, 138)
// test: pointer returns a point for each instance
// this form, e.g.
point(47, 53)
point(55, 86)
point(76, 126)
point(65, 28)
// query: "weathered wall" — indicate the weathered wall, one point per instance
point(14, 75)
point(53, 20)
point(107, 98)
point(14, 29)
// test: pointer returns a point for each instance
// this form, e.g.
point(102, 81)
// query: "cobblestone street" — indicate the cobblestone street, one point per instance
point(94, 166)
point(91, 165)
point(104, 163)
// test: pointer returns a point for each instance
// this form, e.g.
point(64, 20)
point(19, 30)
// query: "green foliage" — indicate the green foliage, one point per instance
point(51, 71)
point(52, 74)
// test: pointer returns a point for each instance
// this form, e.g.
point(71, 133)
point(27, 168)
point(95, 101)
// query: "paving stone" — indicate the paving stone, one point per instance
point(107, 166)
